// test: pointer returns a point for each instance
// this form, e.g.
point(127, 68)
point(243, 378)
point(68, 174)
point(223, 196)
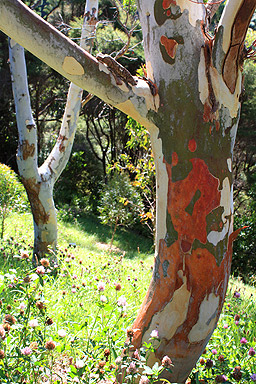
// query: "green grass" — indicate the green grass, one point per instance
point(76, 308)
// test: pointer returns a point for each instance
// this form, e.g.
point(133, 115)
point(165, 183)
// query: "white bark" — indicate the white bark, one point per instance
point(39, 183)
point(67, 58)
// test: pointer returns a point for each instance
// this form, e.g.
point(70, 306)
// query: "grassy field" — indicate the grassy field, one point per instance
point(67, 323)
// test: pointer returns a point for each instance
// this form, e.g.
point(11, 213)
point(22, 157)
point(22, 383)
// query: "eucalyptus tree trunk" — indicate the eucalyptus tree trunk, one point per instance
point(39, 181)
point(189, 102)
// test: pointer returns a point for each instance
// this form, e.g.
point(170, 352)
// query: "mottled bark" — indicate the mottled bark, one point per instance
point(190, 105)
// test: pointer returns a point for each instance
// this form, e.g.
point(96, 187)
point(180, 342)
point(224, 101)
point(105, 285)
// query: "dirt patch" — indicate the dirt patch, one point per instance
point(106, 247)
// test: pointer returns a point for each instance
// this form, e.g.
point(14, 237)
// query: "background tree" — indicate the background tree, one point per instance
point(39, 181)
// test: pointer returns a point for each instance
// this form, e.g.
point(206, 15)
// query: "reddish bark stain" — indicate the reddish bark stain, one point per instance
point(210, 129)
point(207, 112)
point(168, 3)
point(192, 145)
point(168, 13)
point(170, 46)
point(180, 195)
point(175, 159)
point(185, 246)
point(217, 125)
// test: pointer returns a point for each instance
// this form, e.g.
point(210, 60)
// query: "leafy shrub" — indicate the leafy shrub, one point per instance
point(120, 203)
point(12, 194)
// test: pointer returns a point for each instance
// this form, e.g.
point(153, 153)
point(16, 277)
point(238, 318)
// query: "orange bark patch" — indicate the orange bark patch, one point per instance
point(168, 13)
point(27, 150)
point(193, 226)
point(192, 145)
point(33, 190)
point(217, 125)
point(175, 159)
point(168, 3)
point(170, 46)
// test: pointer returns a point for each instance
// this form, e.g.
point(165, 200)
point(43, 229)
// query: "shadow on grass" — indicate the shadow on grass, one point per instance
point(125, 239)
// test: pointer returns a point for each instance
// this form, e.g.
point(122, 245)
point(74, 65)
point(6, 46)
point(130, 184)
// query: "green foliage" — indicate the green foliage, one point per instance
point(244, 249)
point(120, 203)
point(12, 195)
point(230, 354)
point(141, 167)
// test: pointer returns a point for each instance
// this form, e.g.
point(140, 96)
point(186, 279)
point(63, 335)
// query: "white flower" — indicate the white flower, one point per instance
point(40, 270)
point(103, 299)
point(154, 334)
point(22, 306)
point(33, 323)
point(121, 302)
point(79, 364)
point(101, 286)
point(62, 333)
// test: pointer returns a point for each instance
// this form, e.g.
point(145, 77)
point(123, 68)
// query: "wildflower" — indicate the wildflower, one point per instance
point(45, 263)
point(73, 290)
point(7, 327)
point(103, 299)
point(214, 352)
point(8, 307)
point(24, 254)
point(225, 326)
point(118, 360)
point(9, 319)
point(144, 380)
point(101, 364)
point(33, 323)
point(136, 354)
point(2, 332)
point(62, 333)
point(220, 379)
point(237, 294)
point(107, 352)
point(132, 368)
point(237, 374)
point(121, 302)
point(79, 364)
point(49, 321)
point(243, 340)
point(33, 345)
point(221, 358)
point(118, 287)
point(74, 277)
point(2, 355)
point(22, 306)
point(40, 305)
point(27, 279)
point(202, 361)
point(236, 322)
point(166, 362)
point(101, 286)
point(40, 270)
point(50, 345)
point(251, 352)
point(209, 363)
point(26, 351)
point(154, 334)
point(253, 377)
point(237, 317)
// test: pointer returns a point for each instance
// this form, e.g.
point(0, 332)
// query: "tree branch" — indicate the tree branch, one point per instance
point(234, 23)
point(51, 46)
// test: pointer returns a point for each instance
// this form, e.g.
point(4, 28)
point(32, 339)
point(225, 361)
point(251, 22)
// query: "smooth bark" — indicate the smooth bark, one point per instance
point(39, 182)
point(191, 110)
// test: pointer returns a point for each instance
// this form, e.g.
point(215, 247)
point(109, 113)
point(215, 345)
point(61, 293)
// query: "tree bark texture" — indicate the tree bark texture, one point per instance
point(189, 102)
point(39, 182)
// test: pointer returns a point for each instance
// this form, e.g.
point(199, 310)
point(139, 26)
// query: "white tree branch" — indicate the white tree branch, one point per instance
point(27, 148)
point(67, 58)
